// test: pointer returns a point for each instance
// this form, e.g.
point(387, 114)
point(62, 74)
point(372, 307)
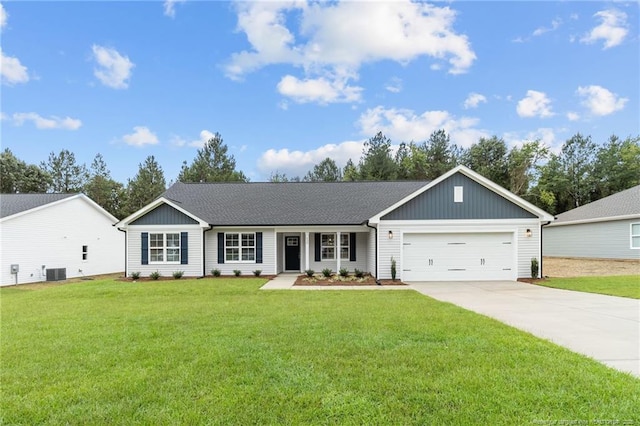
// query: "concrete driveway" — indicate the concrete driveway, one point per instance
point(605, 328)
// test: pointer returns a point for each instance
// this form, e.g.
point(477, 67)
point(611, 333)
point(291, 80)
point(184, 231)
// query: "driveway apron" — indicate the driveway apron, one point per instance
point(605, 328)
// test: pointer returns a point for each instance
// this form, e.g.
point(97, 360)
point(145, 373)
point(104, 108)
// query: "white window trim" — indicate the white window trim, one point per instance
point(240, 247)
point(335, 246)
point(164, 249)
point(631, 235)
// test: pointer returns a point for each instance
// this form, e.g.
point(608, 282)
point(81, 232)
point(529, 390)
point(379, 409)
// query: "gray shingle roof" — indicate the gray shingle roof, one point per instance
point(291, 203)
point(11, 204)
point(623, 203)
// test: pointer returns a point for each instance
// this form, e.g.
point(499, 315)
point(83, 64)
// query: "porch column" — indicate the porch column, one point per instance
point(338, 251)
point(306, 251)
point(275, 253)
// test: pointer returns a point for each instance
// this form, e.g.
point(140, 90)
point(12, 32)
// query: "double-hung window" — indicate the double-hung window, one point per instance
point(635, 235)
point(240, 247)
point(164, 247)
point(328, 246)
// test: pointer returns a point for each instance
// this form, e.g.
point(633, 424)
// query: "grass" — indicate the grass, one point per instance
point(219, 351)
point(620, 285)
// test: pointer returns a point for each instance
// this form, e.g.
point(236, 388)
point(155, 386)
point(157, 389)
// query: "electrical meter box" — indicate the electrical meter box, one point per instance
point(15, 269)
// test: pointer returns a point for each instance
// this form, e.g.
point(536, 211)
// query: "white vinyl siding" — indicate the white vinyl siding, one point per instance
point(361, 262)
point(54, 237)
point(268, 265)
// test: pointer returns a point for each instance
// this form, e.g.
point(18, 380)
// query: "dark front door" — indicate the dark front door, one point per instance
point(292, 253)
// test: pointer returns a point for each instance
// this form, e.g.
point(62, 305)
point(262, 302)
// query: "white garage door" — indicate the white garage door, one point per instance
point(458, 257)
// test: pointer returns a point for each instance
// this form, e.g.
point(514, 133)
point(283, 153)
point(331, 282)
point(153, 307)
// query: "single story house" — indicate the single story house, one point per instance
point(460, 226)
point(608, 228)
point(51, 237)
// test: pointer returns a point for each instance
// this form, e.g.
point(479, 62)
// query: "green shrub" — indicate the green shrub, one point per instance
point(309, 272)
point(358, 273)
point(135, 275)
point(344, 272)
point(155, 275)
point(257, 272)
point(237, 272)
point(327, 272)
point(177, 275)
point(535, 267)
point(215, 272)
point(393, 268)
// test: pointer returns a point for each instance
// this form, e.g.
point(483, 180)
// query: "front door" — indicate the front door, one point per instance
point(292, 253)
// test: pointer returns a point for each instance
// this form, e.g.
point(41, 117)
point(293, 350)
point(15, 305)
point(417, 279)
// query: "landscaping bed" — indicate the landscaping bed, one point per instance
point(338, 280)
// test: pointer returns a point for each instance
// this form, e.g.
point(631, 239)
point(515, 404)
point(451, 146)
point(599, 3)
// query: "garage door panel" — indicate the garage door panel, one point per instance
point(458, 256)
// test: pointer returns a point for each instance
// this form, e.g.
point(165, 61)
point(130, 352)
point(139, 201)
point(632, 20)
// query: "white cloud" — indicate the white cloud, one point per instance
point(52, 122)
point(11, 70)
point(545, 135)
point(298, 163)
point(3, 16)
point(205, 135)
point(320, 90)
point(141, 136)
point(170, 7)
point(600, 101)
point(473, 100)
point(333, 40)
point(555, 24)
point(114, 69)
point(402, 125)
point(394, 85)
point(573, 116)
point(535, 104)
point(612, 30)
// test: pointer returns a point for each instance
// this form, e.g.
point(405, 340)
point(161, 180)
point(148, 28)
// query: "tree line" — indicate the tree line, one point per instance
point(581, 172)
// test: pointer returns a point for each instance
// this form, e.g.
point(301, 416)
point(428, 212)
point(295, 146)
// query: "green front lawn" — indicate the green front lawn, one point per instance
point(620, 285)
point(219, 351)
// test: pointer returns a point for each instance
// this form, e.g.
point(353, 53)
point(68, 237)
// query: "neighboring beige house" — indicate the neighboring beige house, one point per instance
point(49, 237)
point(608, 228)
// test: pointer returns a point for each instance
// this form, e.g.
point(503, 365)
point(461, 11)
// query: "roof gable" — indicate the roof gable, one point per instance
point(15, 205)
point(479, 202)
point(164, 214)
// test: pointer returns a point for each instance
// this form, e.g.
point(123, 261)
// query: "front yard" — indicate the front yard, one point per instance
point(616, 285)
point(219, 351)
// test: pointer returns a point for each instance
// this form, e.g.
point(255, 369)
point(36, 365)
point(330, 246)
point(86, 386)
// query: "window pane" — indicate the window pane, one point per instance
point(344, 239)
point(248, 254)
point(232, 254)
point(328, 239)
point(173, 255)
point(328, 253)
point(248, 240)
point(155, 240)
point(173, 240)
point(635, 242)
point(344, 253)
point(635, 229)
point(232, 240)
point(156, 255)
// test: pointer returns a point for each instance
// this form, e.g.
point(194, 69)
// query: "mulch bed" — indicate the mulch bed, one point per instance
point(303, 280)
point(208, 277)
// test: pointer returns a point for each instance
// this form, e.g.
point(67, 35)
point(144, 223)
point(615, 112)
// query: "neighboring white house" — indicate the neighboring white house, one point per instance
point(460, 226)
point(608, 228)
point(56, 236)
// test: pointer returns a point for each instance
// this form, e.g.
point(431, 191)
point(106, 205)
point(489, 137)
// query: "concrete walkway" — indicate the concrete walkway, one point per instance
point(286, 281)
point(605, 328)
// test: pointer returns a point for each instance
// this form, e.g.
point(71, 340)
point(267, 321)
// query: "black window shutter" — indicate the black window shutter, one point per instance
point(258, 247)
point(317, 246)
point(352, 247)
point(145, 248)
point(184, 248)
point(220, 247)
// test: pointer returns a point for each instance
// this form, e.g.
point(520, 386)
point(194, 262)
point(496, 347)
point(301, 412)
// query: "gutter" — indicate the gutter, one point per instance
point(204, 251)
point(126, 256)
point(542, 226)
point(376, 257)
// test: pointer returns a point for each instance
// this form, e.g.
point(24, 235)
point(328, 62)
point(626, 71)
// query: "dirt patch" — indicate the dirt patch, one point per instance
point(303, 280)
point(575, 267)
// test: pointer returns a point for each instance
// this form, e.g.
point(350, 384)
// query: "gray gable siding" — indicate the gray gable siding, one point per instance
point(478, 203)
point(164, 214)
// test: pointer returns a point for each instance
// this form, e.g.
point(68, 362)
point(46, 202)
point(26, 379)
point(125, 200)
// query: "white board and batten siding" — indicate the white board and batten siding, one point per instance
point(268, 265)
point(54, 237)
point(166, 269)
point(470, 251)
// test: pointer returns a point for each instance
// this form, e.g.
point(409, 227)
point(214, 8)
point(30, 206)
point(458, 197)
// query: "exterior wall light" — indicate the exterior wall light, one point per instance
point(391, 235)
point(528, 233)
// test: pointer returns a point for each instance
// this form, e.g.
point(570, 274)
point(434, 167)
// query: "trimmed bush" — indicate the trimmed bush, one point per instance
point(326, 272)
point(257, 272)
point(358, 273)
point(535, 267)
point(309, 272)
point(237, 272)
point(135, 275)
point(344, 272)
point(177, 275)
point(155, 275)
point(393, 268)
point(215, 272)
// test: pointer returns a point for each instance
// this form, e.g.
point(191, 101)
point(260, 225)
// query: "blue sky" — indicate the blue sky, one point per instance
point(288, 84)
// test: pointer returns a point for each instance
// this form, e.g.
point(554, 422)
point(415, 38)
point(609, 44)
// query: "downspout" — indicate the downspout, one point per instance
point(542, 226)
point(126, 257)
point(204, 251)
point(376, 250)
